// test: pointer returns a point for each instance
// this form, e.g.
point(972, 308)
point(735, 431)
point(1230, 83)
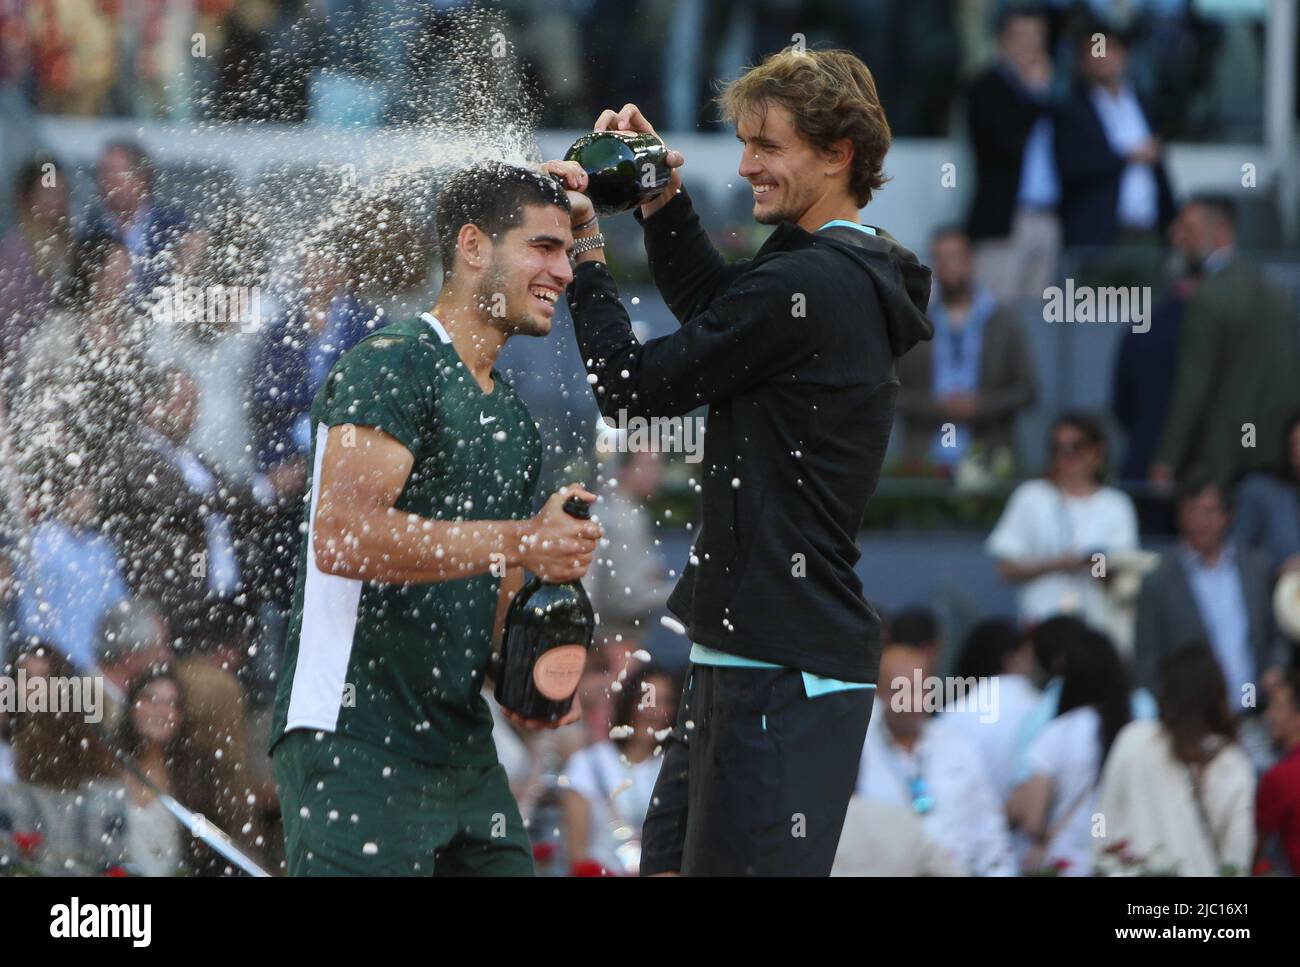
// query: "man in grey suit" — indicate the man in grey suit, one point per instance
point(976, 374)
point(1209, 589)
point(1238, 356)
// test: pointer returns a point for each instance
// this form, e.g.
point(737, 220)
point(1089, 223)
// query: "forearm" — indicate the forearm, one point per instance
point(395, 547)
point(1018, 572)
point(687, 269)
point(577, 822)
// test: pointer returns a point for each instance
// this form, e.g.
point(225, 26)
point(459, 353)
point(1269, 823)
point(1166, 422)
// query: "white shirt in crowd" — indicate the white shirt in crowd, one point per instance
point(1041, 522)
point(618, 793)
point(965, 820)
point(1068, 752)
point(884, 839)
point(1148, 803)
point(153, 839)
point(222, 369)
point(1138, 205)
point(996, 735)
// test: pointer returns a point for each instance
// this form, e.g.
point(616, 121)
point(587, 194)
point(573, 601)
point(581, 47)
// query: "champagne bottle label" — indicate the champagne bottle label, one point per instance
point(558, 671)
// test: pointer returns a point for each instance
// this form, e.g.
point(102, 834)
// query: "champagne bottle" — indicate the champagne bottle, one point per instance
point(549, 628)
point(624, 169)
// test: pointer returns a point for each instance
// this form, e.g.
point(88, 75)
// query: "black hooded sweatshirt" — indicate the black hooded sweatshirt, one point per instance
point(794, 353)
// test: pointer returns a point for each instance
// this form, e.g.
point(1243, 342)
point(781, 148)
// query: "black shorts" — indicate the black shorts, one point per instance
point(756, 776)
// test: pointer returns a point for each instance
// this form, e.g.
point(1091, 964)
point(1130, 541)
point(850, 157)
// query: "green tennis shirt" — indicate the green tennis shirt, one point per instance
point(402, 665)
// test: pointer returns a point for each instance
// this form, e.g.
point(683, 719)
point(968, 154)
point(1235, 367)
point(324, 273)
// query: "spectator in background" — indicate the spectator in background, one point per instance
point(975, 374)
point(219, 730)
point(177, 522)
point(152, 732)
point(885, 839)
point(35, 257)
point(133, 638)
point(58, 751)
point(1277, 804)
point(918, 627)
point(269, 54)
point(1055, 803)
point(1013, 219)
point(1113, 183)
point(1142, 386)
point(294, 356)
point(131, 215)
point(922, 763)
point(1268, 506)
point(996, 664)
point(81, 386)
point(611, 781)
point(71, 578)
point(629, 580)
point(1212, 590)
point(1178, 793)
point(75, 54)
point(222, 261)
point(1051, 528)
point(1238, 356)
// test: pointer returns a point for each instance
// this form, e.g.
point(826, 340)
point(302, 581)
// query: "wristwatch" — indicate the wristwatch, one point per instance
point(586, 245)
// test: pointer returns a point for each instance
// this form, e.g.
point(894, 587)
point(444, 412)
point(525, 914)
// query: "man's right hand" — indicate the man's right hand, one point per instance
point(631, 119)
point(557, 547)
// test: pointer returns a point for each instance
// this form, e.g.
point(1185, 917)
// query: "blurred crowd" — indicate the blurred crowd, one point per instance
point(373, 61)
point(155, 397)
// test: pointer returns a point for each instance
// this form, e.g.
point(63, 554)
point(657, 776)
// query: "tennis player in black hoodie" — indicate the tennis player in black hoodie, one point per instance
point(794, 352)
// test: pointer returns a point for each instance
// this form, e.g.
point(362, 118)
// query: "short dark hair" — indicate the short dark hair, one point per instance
point(985, 650)
point(492, 196)
point(1090, 428)
point(141, 163)
point(914, 626)
point(949, 231)
point(1196, 481)
point(1220, 205)
point(1051, 637)
point(1016, 11)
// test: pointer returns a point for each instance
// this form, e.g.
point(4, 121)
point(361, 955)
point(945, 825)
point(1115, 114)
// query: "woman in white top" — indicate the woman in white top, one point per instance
point(1051, 528)
point(153, 733)
point(1177, 794)
point(1056, 805)
point(608, 785)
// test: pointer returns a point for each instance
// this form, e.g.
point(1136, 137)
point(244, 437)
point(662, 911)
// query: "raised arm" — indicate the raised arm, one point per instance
point(686, 268)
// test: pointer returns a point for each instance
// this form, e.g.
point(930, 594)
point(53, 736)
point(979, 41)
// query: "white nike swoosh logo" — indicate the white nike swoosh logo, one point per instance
point(485, 420)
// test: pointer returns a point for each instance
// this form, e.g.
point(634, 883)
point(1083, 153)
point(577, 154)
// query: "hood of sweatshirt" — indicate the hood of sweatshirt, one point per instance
point(901, 280)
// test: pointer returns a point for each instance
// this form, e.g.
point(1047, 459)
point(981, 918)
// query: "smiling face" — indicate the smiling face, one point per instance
point(157, 711)
point(527, 271)
point(782, 167)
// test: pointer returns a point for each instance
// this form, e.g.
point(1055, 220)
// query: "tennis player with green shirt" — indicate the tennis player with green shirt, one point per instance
point(423, 471)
